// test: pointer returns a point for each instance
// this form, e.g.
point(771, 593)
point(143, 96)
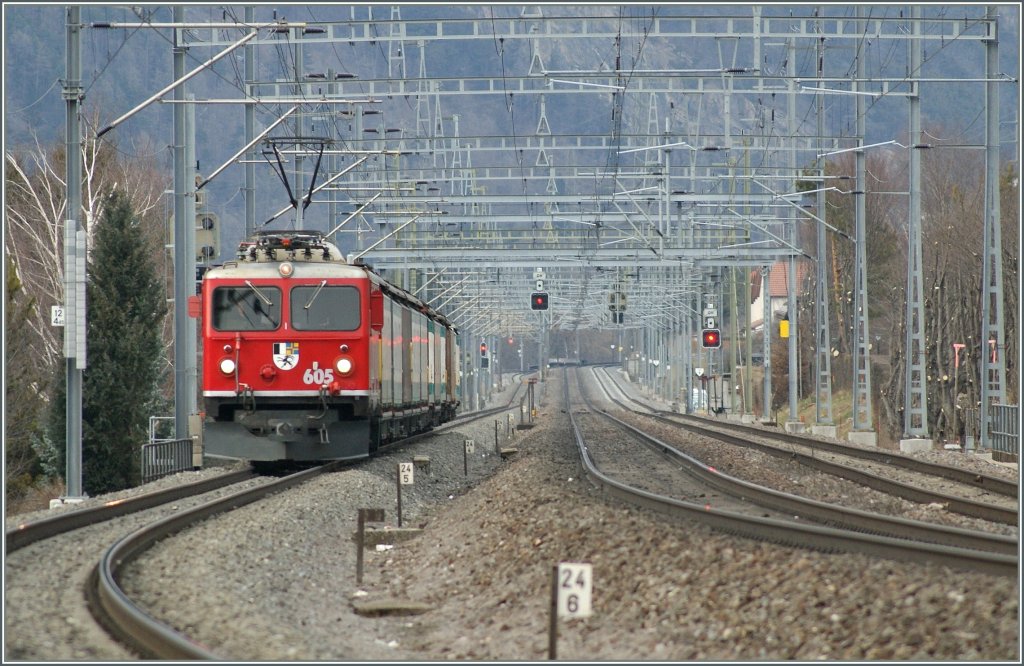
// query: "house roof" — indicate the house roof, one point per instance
point(778, 279)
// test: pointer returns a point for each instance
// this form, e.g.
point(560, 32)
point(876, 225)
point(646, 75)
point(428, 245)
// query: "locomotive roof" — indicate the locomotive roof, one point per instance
point(269, 270)
point(288, 245)
point(311, 256)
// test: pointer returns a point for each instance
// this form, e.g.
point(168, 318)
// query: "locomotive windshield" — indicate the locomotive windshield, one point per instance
point(246, 308)
point(322, 308)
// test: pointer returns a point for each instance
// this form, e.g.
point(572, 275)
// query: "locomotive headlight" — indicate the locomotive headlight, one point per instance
point(227, 366)
point(343, 365)
point(286, 269)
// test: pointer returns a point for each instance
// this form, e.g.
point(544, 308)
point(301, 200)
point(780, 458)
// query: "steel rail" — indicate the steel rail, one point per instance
point(45, 528)
point(30, 532)
point(961, 505)
point(983, 481)
point(834, 515)
point(801, 534)
point(959, 475)
point(133, 626)
point(844, 517)
point(472, 416)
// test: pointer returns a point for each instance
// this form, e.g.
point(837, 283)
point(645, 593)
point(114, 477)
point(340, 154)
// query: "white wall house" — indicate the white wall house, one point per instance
point(777, 291)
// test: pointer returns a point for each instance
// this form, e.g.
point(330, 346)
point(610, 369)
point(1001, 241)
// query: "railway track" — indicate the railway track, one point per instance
point(968, 493)
point(129, 623)
point(860, 531)
point(30, 532)
point(109, 605)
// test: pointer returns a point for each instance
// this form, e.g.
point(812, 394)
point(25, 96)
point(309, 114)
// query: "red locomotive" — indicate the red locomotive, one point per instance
point(306, 357)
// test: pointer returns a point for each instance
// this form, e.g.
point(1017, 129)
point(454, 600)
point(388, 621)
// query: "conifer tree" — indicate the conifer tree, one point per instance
point(121, 383)
point(23, 389)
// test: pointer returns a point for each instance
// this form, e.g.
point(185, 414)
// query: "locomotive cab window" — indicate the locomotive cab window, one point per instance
point(323, 308)
point(248, 308)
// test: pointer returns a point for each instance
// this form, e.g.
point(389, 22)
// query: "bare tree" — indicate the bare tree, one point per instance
point(36, 210)
point(886, 253)
point(1009, 192)
point(952, 230)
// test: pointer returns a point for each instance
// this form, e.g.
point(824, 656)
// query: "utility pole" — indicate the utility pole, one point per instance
point(74, 260)
point(793, 424)
point(250, 132)
point(766, 347)
point(748, 395)
point(184, 265)
point(299, 130)
point(191, 343)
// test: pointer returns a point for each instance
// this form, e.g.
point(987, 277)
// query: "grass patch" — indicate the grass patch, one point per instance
point(34, 498)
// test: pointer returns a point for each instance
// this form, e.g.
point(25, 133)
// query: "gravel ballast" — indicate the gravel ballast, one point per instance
point(276, 580)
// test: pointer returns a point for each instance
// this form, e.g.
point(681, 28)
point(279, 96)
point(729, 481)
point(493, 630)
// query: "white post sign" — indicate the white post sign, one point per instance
point(470, 446)
point(56, 315)
point(405, 473)
point(574, 582)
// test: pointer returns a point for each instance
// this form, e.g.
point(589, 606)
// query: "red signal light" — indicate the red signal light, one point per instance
point(711, 338)
point(539, 300)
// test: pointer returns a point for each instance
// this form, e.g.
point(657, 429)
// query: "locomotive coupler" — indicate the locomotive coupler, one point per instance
point(248, 399)
point(323, 403)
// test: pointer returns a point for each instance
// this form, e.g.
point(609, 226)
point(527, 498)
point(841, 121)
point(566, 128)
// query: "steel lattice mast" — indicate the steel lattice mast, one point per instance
point(823, 341)
point(915, 409)
point(862, 430)
point(494, 209)
point(993, 343)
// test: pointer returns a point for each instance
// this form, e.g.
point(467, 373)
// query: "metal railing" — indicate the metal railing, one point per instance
point(164, 456)
point(1003, 432)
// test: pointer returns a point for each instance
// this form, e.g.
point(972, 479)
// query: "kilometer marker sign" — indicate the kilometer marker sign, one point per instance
point(570, 597)
point(574, 590)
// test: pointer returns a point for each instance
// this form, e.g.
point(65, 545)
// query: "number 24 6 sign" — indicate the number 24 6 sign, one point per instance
point(574, 582)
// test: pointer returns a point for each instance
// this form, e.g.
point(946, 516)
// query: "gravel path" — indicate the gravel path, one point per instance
point(276, 580)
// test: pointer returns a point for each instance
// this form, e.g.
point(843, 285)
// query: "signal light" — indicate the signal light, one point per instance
point(539, 300)
point(207, 231)
point(483, 349)
point(711, 338)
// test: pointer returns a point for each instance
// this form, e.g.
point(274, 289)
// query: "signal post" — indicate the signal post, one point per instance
point(711, 340)
point(539, 301)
